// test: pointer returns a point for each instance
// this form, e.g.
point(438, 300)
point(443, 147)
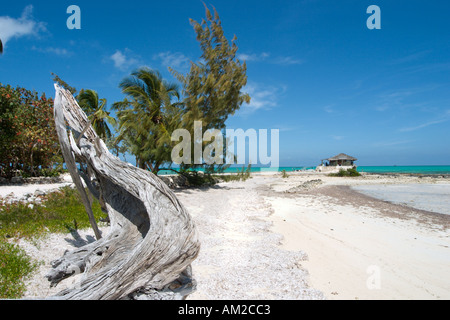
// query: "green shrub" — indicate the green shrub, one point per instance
point(29, 143)
point(245, 173)
point(196, 179)
point(241, 175)
point(15, 267)
point(352, 172)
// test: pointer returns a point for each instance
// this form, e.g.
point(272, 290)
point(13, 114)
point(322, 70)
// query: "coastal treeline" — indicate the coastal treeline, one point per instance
point(151, 110)
point(209, 93)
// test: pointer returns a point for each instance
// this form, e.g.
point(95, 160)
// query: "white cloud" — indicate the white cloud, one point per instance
point(26, 25)
point(382, 107)
point(329, 108)
point(284, 128)
point(177, 60)
point(401, 98)
point(123, 61)
point(411, 57)
point(253, 57)
point(52, 50)
point(262, 97)
point(445, 116)
point(423, 125)
point(391, 143)
point(284, 61)
point(287, 61)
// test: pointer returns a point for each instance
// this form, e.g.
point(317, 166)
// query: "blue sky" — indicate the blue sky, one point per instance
point(315, 71)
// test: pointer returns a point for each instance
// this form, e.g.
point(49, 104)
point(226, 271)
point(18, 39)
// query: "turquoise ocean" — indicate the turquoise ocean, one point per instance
point(406, 169)
point(371, 169)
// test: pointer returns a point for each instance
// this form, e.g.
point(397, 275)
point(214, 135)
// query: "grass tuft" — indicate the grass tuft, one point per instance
point(62, 212)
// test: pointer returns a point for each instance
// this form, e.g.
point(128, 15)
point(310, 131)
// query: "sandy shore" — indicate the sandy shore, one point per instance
point(363, 248)
point(303, 238)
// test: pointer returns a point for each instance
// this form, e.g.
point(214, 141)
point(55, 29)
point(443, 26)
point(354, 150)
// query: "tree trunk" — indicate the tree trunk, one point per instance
point(152, 239)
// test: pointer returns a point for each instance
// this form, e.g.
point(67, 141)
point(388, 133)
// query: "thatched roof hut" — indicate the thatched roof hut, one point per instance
point(341, 159)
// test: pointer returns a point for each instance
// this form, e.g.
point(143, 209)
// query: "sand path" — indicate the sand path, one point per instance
point(241, 257)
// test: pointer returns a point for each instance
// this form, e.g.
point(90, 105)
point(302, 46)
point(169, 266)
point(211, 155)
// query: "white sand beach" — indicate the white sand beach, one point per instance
point(303, 238)
point(363, 248)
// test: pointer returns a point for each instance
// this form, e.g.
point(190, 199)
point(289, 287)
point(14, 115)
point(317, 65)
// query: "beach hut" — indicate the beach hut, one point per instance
point(341, 161)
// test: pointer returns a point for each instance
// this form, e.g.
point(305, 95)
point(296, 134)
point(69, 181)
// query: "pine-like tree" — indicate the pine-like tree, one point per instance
point(212, 88)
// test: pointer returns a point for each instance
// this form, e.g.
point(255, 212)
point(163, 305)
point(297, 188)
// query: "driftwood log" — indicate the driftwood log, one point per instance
point(152, 239)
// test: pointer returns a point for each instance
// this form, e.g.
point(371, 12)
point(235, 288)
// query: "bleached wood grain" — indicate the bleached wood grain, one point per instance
point(152, 239)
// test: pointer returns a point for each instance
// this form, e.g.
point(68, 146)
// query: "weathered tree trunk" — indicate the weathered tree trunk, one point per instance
point(152, 239)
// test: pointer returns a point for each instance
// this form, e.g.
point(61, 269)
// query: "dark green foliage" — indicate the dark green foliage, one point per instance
point(197, 179)
point(147, 117)
point(95, 109)
point(200, 178)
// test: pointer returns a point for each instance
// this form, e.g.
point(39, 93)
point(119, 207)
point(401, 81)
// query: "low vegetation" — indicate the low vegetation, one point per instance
point(15, 266)
point(200, 178)
point(241, 175)
point(62, 212)
point(346, 173)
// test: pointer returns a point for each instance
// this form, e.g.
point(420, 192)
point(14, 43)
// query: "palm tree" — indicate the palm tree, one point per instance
point(95, 110)
point(148, 116)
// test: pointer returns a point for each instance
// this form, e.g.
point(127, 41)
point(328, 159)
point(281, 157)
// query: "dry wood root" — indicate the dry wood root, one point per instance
point(152, 239)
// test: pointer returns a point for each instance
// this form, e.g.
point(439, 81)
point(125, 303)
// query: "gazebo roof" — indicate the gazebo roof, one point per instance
point(341, 156)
